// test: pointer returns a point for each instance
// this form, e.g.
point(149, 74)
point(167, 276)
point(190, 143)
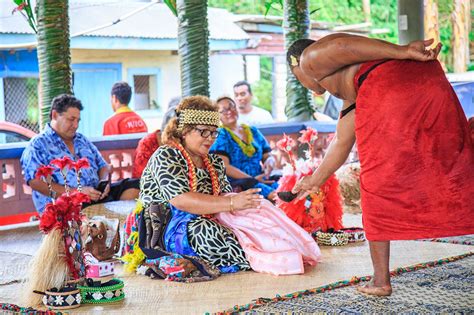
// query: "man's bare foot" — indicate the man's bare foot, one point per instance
point(370, 289)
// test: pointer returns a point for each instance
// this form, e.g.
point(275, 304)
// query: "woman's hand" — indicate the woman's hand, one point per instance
point(419, 50)
point(304, 187)
point(263, 181)
point(247, 199)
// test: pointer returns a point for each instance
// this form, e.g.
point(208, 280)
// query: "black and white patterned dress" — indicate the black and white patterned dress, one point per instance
point(165, 177)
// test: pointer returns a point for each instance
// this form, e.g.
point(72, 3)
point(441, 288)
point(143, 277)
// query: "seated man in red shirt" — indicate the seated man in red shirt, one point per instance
point(124, 120)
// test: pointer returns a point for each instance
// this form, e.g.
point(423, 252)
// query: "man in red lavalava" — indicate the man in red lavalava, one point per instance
point(416, 153)
point(124, 120)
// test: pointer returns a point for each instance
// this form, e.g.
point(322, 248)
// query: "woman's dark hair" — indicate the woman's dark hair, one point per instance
point(63, 102)
point(225, 97)
point(296, 49)
point(122, 91)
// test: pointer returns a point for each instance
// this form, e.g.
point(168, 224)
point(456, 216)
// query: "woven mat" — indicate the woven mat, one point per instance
point(448, 288)
point(464, 239)
point(13, 268)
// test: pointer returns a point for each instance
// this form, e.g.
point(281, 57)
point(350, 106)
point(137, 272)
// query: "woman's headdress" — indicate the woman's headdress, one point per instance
point(197, 117)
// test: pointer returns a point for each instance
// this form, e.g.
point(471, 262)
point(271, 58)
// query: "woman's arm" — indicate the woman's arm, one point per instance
point(335, 157)
point(327, 56)
point(200, 204)
point(232, 171)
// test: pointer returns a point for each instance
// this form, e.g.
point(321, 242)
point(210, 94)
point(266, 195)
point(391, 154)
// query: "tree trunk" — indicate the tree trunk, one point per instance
point(431, 20)
point(460, 21)
point(193, 34)
point(366, 8)
point(53, 53)
point(296, 25)
point(431, 23)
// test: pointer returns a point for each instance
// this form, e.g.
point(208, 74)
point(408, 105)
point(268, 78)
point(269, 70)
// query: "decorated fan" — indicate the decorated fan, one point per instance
point(59, 260)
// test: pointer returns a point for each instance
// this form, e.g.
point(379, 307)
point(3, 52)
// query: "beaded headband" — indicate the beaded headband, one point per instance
point(197, 117)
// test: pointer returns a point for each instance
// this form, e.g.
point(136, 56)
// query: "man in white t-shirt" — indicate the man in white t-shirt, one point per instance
point(249, 114)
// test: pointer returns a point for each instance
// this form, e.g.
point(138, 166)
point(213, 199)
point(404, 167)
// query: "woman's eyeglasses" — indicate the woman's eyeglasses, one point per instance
point(206, 133)
point(227, 110)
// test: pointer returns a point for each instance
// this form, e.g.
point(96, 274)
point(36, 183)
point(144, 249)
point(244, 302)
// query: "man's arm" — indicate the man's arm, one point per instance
point(335, 157)
point(329, 55)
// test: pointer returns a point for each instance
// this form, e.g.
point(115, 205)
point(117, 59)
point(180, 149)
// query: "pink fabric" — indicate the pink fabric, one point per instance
point(272, 242)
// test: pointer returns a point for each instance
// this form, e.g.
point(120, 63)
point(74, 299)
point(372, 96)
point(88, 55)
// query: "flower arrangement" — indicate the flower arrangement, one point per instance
point(59, 259)
point(320, 211)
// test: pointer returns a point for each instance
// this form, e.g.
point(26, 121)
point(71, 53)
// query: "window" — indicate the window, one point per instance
point(145, 92)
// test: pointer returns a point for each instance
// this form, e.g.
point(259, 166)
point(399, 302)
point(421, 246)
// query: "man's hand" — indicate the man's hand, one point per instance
point(106, 192)
point(304, 187)
point(419, 50)
point(92, 193)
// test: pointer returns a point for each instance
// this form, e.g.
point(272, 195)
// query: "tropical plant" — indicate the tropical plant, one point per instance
point(193, 50)
point(26, 10)
point(54, 56)
point(296, 25)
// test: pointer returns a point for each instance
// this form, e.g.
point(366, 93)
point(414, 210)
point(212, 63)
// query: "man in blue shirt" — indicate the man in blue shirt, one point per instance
point(59, 139)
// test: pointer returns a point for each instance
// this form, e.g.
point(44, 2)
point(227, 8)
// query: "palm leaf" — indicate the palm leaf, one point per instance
point(296, 25)
point(53, 52)
point(193, 40)
point(172, 5)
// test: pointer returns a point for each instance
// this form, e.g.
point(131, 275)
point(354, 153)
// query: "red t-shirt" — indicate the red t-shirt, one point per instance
point(124, 121)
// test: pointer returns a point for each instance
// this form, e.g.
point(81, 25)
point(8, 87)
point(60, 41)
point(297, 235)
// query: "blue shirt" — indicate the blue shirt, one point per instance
point(250, 165)
point(227, 146)
point(48, 146)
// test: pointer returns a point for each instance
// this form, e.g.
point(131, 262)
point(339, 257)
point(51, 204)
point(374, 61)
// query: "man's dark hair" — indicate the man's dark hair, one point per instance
point(122, 91)
point(63, 102)
point(296, 49)
point(240, 83)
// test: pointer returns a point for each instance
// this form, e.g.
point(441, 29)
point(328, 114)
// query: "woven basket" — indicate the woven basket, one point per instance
point(111, 210)
point(331, 239)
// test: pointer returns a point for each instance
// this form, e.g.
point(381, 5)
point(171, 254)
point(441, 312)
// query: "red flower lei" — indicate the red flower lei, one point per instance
point(192, 170)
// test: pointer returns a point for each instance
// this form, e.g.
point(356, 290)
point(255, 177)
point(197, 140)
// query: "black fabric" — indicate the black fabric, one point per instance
point(243, 183)
point(347, 110)
point(116, 190)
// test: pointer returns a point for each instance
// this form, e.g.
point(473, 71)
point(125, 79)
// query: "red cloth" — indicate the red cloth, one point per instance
point(416, 153)
point(123, 123)
point(145, 149)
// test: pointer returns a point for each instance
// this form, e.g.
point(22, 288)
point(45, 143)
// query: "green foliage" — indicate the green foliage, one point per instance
point(262, 92)
point(172, 5)
point(25, 5)
point(54, 58)
point(193, 50)
point(295, 26)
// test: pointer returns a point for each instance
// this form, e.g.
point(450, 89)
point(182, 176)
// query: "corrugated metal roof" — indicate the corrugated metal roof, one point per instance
point(156, 21)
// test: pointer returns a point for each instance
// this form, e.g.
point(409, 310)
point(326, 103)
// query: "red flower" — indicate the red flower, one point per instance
point(20, 7)
point(308, 136)
point(62, 163)
point(81, 163)
point(79, 198)
point(44, 171)
point(49, 219)
point(286, 144)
